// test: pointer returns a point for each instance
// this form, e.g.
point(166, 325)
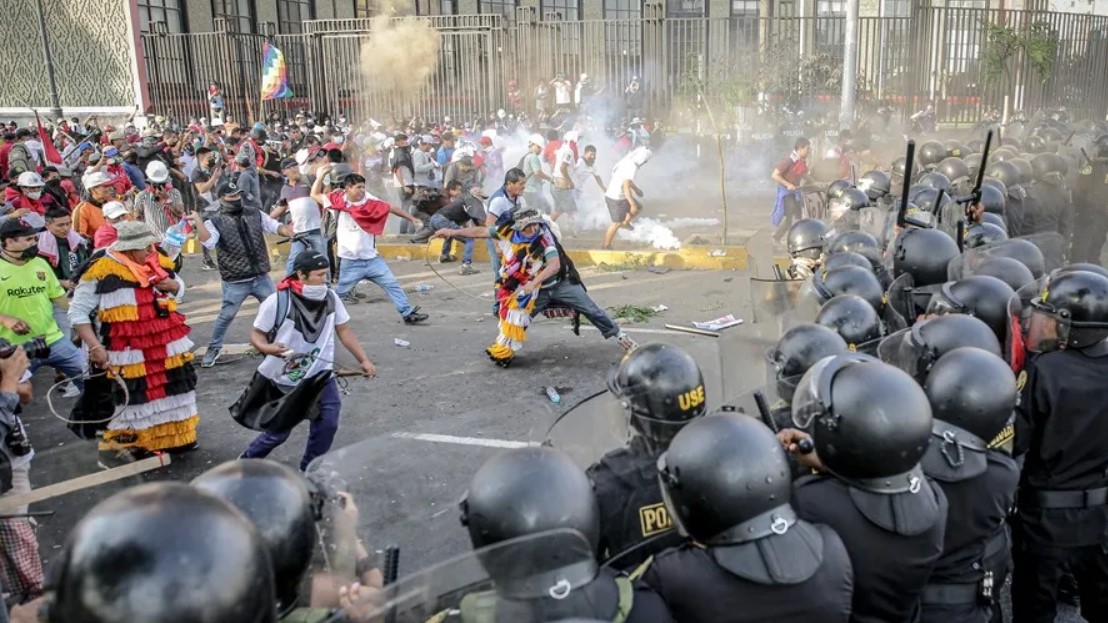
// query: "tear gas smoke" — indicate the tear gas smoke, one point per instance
point(401, 52)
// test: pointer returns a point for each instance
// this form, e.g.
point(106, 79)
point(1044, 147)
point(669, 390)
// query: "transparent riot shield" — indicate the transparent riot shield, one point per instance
point(899, 309)
point(879, 222)
point(1050, 245)
point(784, 302)
point(528, 579)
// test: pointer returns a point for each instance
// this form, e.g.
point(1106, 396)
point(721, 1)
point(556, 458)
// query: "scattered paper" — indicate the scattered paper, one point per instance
point(719, 323)
point(659, 308)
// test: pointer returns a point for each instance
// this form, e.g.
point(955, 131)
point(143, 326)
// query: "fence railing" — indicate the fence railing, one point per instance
point(935, 56)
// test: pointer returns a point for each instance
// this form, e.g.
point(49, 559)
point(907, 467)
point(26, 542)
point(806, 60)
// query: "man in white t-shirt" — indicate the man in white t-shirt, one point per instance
point(563, 189)
point(623, 207)
point(305, 215)
point(563, 91)
point(361, 218)
point(300, 347)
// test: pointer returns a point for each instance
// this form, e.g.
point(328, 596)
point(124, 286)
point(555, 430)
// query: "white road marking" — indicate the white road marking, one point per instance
point(465, 441)
point(653, 331)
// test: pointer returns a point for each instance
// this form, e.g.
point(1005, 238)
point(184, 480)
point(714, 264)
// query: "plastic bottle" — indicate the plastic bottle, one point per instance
point(401, 343)
point(422, 287)
point(553, 395)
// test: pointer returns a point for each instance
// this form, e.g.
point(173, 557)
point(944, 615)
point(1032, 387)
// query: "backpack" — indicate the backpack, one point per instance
point(284, 299)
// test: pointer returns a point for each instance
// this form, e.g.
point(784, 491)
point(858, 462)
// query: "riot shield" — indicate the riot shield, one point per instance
point(785, 302)
point(1051, 245)
point(518, 580)
point(899, 308)
point(877, 221)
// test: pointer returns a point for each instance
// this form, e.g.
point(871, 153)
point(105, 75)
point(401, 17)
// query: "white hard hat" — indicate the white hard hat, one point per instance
point(29, 179)
point(536, 139)
point(94, 179)
point(157, 172)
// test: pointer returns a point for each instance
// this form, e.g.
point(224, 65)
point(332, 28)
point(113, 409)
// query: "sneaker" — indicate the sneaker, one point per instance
point(446, 259)
point(358, 294)
point(468, 269)
point(69, 390)
point(208, 266)
point(415, 317)
point(625, 342)
point(627, 226)
point(110, 459)
point(211, 355)
point(350, 298)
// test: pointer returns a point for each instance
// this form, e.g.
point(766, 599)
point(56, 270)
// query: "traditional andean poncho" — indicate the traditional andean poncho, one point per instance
point(148, 345)
point(522, 258)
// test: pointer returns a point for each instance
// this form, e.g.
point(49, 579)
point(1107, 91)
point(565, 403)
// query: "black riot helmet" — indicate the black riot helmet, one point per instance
point(1006, 269)
point(981, 296)
point(973, 164)
point(1023, 251)
point(854, 199)
point(923, 253)
point(835, 189)
point(1005, 172)
point(852, 240)
point(916, 349)
point(853, 318)
point(275, 498)
point(876, 184)
point(993, 199)
point(846, 258)
point(973, 390)
point(163, 553)
point(1071, 312)
point(869, 422)
point(807, 238)
point(926, 198)
point(662, 386)
point(981, 234)
point(995, 183)
point(994, 219)
point(829, 283)
point(726, 482)
point(954, 149)
point(1026, 174)
point(930, 154)
point(524, 492)
point(953, 168)
point(799, 349)
point(937, 180)
point(898, 170)
point(976, 146)
point(1079, 266)
point(339, 173)
point(1034, 144)
point(1002, 154)
point(1049, 167)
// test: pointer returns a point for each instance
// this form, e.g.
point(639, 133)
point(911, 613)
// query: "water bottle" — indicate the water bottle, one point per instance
point(174, 236)
point(553, 395)
point(423, 287)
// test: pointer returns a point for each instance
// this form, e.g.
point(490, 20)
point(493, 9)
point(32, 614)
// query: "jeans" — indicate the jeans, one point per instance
point(377, 271)
point(321, 431)
point(574, 295)
point(234, 294)
point(441, 222)
point(67, 358)
point(302, 242)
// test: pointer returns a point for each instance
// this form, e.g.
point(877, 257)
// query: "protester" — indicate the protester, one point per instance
point(88, 216)
point(533, 196)
point(205, 176)
point(28, 194)
point(300, 350)
point(114, 213)
point(160, 205)
point(788, 175)
point(562, 188)
point(459, 213)
point(623, 206)
point(305, 215)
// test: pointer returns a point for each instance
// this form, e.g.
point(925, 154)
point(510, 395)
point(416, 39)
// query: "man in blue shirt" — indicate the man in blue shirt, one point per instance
point(446, 151)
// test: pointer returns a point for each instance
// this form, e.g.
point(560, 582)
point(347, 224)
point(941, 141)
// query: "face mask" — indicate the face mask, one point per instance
point(54, 182)
point(234, 205)
point(29, 253)
point(34, 194)
point(315, 293)
point(339, 140)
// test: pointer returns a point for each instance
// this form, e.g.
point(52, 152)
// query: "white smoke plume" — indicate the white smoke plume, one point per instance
point(401, 52)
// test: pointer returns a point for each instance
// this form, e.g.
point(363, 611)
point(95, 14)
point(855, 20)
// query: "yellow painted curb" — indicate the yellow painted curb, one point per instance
point(701, 258)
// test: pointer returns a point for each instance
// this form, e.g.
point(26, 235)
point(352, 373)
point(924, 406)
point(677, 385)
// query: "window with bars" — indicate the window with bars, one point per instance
point(240, 13)
point(448, 7)
point(896, 8)
point(507, 8)
point(685, 8)
point(830, 8)
point(566, 10)
point(623, 9)
point(168, 11)
point(291, 14)
point(362, 8)
point(744, 8)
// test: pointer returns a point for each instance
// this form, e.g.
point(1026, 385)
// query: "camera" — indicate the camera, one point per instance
point(36, 348)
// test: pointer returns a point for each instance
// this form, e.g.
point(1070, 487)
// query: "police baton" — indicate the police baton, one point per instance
point(909, 160)
point(975, 194)
point(804, 445)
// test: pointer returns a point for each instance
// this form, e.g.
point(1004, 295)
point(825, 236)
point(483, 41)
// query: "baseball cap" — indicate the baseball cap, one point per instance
point(485, 141)
point(228, 187)
point(309, 260)
point(114, 209)
point(29, 179)
point(22, 133)
point(289, 163)
point(536, 139)
point(15, 228)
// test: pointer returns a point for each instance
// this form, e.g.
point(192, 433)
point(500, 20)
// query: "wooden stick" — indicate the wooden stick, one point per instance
point(12, 503)
point(693, 330)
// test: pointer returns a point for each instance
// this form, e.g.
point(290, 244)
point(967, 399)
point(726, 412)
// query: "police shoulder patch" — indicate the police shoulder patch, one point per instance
point(1021, 380)
point(654, 519)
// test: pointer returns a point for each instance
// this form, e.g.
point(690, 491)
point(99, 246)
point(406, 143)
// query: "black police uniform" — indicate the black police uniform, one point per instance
point(1091, 212)
point(632, 510)
point(976, 553)
point(697, 589)
point(1015, 208)
point(1062, 518)
point(603, 599)
point(890, 569)
point(1049, 209)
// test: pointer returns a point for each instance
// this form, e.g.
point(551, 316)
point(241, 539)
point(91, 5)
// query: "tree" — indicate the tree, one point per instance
point(1003, 47)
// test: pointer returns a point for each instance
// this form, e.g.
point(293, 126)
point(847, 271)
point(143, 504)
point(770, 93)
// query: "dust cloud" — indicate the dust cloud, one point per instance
point(401, 52)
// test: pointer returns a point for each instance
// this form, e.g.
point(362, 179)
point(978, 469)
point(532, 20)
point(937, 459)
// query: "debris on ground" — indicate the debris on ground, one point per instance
point(697, 240)
point(633, 313)
point(718, 323)
point(401, 343)
point(659, 308)
point(659, 270)
point(717, 253)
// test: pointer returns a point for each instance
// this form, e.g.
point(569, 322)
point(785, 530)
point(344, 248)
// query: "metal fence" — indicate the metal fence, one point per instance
point(935, 57)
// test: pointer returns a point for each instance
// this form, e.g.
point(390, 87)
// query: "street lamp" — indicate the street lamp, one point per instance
point(56, 107)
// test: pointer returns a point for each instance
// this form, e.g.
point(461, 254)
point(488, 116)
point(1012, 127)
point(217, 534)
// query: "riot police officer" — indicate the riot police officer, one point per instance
point(276, 500)
point(869, 424)
point(981, 296)
point(853, 318)
point(531, 492)
point(1051, 199)
point(131, 556)
point(806, 241)
point(727, 485)
point(798, 349)
point(828, 283)
point(1091, 213)
point(1062, 430)
point(663, 388)
point(1016, 195)
point(972, 395)
point(916, 349)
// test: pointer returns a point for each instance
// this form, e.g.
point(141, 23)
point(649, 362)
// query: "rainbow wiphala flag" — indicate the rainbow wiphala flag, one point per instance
point(275, 74)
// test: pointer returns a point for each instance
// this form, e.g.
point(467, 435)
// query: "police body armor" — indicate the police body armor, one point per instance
point(1050, 209)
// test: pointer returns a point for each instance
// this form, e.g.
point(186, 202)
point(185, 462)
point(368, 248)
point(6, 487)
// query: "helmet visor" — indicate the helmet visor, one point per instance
point(904, 351)
point(812, 397)
point(943, 302)
point(1045, 328)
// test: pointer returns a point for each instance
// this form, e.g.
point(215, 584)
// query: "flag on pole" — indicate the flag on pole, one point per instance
point(48, 148)
point(275, 74)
